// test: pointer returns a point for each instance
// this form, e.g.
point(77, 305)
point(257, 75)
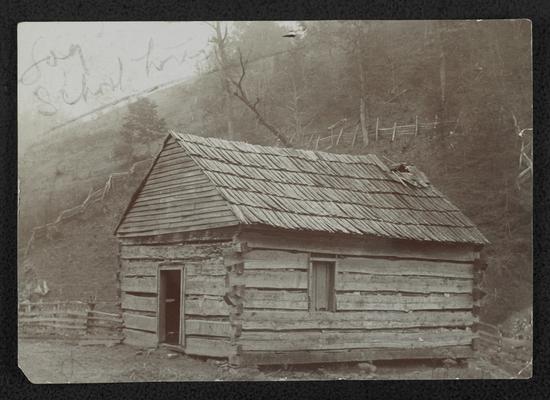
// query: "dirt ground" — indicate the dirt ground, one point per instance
point(61, 361)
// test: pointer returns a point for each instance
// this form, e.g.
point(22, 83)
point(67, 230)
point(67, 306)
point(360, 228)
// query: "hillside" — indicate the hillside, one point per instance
point(78, 257)
point(473, 73)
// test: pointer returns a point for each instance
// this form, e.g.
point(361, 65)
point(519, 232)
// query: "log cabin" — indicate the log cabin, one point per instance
point(268, 255)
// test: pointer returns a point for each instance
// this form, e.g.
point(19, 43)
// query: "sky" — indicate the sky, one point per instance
point(66, 69)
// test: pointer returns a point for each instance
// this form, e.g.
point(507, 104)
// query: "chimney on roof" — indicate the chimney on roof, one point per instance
point(410, 174)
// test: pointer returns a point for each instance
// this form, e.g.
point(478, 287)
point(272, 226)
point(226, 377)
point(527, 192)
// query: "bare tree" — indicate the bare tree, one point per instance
point(357, 49)
point(220, 51)
point(234, 87)
point(242, 95)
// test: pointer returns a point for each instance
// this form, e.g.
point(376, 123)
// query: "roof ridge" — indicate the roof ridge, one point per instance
point(370, 158)
point(320, 191)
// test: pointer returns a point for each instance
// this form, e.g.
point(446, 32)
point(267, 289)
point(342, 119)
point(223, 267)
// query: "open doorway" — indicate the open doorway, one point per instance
point(170, 299)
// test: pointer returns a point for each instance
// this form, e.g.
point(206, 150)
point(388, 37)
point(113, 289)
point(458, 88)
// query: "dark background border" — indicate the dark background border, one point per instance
point(13, 383)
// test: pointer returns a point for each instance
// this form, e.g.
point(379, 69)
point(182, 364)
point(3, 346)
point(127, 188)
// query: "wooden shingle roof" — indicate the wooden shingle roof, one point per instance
point(325, 192)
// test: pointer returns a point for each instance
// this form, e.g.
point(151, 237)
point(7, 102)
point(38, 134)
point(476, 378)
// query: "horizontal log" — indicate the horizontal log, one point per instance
point(281, 341)
point(356, 301)
point(209, 347)
point(139, 267)
point(184, 251)
point(106, 314)
point(205, 306)
point(271, 279)
point(403, 267)
point(338, 244)
point(75, 321)
point(235, 248)
point(53, 303)
point(213, 267)
point(46, 313)
point(365, 282)
point(273, 259)
point(61, 326)
point(110, 321)
point(140, 338)
point(275, 299)
point(139, 303)
point(141, 322)
point(207, 328)
point(139, 284)
point(298, 320)
point(309, 357)
point(203, 284)
point(205, 224)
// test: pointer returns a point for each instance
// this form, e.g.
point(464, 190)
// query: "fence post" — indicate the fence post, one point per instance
point(355, 136)
point(376, 133)
point(339, 136)
point(416, 126)
point(89, 315)
point(394, 129)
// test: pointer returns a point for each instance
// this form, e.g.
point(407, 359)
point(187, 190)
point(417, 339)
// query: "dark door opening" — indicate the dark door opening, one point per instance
point(170, 300)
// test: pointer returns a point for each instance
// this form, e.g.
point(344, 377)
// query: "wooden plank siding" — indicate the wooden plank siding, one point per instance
point(177, 196)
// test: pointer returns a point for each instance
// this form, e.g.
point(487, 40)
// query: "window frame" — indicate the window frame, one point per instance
point(332, 289)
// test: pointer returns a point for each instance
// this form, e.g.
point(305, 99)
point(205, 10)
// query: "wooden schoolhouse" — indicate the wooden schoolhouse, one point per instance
point(268, 255)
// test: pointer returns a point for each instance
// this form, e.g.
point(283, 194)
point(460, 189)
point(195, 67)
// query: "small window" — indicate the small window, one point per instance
point(322, 286)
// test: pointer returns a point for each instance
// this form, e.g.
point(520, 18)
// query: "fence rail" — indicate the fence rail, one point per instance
point(505, 352)
point(342, 133)
point(69, 318)
point(93, 197)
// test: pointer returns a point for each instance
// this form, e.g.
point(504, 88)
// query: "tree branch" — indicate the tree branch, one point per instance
point(242, 96)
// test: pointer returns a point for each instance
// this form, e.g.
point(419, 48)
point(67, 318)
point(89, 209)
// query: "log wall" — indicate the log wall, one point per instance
point(390, 303)
point(248, 299)
point(206, 326)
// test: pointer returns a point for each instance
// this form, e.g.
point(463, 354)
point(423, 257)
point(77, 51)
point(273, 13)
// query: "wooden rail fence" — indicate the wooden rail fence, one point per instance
point(506, 352)
point(70, 319)
point(93, 197)
point(343, 134)
point(525, 156)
